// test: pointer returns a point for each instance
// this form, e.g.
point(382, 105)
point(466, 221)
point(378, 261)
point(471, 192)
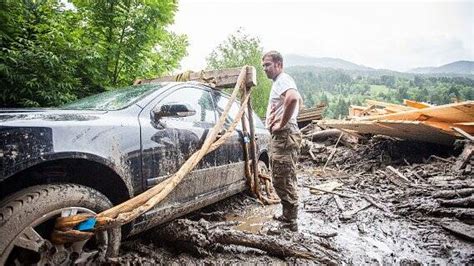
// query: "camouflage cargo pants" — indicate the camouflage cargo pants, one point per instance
point(285, 148)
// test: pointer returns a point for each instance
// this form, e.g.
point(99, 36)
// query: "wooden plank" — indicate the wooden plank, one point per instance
point(415, 104)
point(454, 113)
point(448, 127)
point(464, 133)
point(464, 124)
point(222, 78)
point(392, 106)
point(318, 189)
point(411, 130)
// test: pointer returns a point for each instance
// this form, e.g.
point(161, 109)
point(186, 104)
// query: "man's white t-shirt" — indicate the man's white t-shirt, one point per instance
point(282, 83)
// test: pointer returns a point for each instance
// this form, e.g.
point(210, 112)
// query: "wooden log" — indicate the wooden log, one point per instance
point(323, 135)
point(460, 213)
point(449, 194)
point(204, 235)
point(253, 145)
point(467, 202)
point(461, 229)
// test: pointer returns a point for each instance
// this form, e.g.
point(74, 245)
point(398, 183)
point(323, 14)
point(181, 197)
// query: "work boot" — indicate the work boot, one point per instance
point(291, 225)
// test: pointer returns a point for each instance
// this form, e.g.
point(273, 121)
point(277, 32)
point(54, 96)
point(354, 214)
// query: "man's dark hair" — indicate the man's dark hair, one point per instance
point(276, 56)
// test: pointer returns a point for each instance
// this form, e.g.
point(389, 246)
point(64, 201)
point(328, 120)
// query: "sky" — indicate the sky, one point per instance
point(396, 35)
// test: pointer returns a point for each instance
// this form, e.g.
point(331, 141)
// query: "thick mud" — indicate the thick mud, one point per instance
point(400, 224)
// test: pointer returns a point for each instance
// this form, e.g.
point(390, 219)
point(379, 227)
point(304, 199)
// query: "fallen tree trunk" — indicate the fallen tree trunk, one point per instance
point(460, 213)
point(323, 135)
point(203, 235)
point(449, 194)
point(458, 228)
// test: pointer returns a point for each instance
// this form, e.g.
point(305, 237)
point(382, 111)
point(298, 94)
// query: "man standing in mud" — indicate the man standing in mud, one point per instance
point(282, 110)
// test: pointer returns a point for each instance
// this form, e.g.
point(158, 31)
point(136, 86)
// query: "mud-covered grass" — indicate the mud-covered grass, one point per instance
point(403, 229)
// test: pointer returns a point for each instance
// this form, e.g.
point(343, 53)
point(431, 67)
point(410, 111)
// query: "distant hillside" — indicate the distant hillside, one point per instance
point(458, 67)
point(324, 62)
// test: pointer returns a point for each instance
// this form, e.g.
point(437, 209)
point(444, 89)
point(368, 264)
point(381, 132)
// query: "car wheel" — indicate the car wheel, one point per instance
point(27, 220)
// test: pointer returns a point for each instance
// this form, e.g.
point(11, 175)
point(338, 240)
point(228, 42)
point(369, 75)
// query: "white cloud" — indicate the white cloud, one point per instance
point(395, 35)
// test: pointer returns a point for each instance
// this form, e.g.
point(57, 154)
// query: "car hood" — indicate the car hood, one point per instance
point(13, 116)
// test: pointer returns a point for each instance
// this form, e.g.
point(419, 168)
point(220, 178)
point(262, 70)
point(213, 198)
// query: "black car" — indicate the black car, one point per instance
point(102, 150)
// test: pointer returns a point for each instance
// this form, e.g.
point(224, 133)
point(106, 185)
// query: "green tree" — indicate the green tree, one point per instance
point(242, 49)
point(40, 50)
point(130, 38)
point(52, 54)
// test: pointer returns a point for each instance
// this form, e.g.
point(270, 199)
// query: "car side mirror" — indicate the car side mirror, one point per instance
point(174, 110)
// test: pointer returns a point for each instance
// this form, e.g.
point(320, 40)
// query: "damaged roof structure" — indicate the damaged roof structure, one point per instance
point(413, 121)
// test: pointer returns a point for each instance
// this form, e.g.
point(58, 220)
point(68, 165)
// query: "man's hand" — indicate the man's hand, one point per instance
point(274, 124)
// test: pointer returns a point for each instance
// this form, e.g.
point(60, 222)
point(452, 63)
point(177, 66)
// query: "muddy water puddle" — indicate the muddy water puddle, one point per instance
point(254, 219)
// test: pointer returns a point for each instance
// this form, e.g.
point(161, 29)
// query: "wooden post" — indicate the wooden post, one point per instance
point(253, 144)
point(245, 132)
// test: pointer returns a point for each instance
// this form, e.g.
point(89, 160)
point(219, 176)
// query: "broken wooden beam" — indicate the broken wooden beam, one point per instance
point(222, 78)
point(463, 133)
point(415, 104)
point(394, 108)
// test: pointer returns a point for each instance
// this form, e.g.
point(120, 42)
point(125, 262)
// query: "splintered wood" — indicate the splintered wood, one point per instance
point(416, 121)
point(310, 114)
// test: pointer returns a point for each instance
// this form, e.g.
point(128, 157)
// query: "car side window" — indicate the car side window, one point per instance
point(221, 102)
point(200, 100)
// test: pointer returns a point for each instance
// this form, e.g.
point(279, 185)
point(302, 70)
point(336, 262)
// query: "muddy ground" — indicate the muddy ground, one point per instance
point(402, 225)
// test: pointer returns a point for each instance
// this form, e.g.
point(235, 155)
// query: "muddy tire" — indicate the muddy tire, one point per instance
point(27, 220)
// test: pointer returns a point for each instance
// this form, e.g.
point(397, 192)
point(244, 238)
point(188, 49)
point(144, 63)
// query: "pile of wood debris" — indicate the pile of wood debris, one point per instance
point(417, 180)
point(307, 115)
point(413, 121)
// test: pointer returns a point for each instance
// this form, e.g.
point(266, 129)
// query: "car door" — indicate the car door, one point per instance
point(168, 142)
point(232, 149)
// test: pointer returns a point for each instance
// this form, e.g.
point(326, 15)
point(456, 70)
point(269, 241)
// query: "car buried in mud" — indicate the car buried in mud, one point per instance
point(102, 150)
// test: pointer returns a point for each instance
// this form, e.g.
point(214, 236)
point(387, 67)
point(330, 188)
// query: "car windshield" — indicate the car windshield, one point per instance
point(114, 99)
